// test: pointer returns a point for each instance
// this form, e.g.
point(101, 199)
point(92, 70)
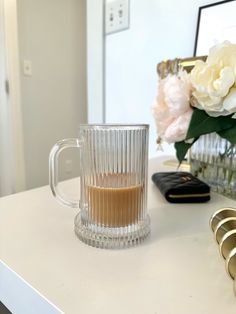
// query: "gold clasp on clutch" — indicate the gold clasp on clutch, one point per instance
point(186, 178)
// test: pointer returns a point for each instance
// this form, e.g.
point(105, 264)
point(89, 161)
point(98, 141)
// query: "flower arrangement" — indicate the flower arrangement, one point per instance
point(203, 101)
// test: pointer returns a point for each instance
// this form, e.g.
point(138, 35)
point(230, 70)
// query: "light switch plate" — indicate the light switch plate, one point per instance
point(117, 16)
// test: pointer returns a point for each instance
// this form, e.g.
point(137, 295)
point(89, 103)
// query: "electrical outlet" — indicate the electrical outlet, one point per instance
point(117, 16)
point(27, 68)
point(68, 166)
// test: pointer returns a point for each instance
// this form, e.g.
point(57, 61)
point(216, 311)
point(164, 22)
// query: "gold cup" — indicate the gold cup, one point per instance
point(230, 263)
point(224, 226)
point(220, 214)
point(227, 243)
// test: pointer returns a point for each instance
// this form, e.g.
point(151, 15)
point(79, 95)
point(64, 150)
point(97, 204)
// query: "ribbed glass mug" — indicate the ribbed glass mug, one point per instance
point(113, 184)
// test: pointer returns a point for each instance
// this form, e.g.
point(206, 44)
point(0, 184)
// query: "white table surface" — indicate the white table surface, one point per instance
point(44, 268)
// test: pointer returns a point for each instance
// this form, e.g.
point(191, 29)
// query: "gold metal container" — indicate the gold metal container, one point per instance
point(230, 263)
point(223, 227)
point(220, 214)
point(228, 243)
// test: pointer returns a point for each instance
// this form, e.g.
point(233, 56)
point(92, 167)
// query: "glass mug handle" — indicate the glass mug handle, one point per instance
point(53, 169)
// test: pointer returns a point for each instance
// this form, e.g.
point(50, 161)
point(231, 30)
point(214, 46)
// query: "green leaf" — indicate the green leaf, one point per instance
point(201, 123)
point(229, 134)
point(182, 148)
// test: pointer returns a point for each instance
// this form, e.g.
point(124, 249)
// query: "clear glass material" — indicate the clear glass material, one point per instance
point(213, 160)
point(113, 184)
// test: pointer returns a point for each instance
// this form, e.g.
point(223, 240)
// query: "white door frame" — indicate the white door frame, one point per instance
point(95, 61)
point(15, 127)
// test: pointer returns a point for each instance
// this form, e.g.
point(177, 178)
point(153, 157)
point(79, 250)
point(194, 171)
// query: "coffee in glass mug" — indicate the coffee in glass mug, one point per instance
point(113, 184)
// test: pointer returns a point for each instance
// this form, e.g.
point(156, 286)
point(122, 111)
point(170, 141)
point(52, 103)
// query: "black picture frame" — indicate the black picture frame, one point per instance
point(210, 10)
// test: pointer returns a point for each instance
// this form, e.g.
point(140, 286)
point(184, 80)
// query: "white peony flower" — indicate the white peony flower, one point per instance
point(213, 80)
point(177, 93)
point(177, 130)
point(172, 111)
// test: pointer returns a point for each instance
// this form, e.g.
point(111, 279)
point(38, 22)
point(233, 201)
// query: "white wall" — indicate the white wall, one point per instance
point(5, 138)
point(52, 34)
point(12, 178)
point(159, 29)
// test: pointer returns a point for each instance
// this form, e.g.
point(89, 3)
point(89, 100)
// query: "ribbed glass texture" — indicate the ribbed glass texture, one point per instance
point(213, 160)
point(113, 200)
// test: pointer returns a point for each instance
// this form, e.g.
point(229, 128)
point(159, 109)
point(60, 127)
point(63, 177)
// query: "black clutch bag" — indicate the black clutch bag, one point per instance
point(181, 187)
